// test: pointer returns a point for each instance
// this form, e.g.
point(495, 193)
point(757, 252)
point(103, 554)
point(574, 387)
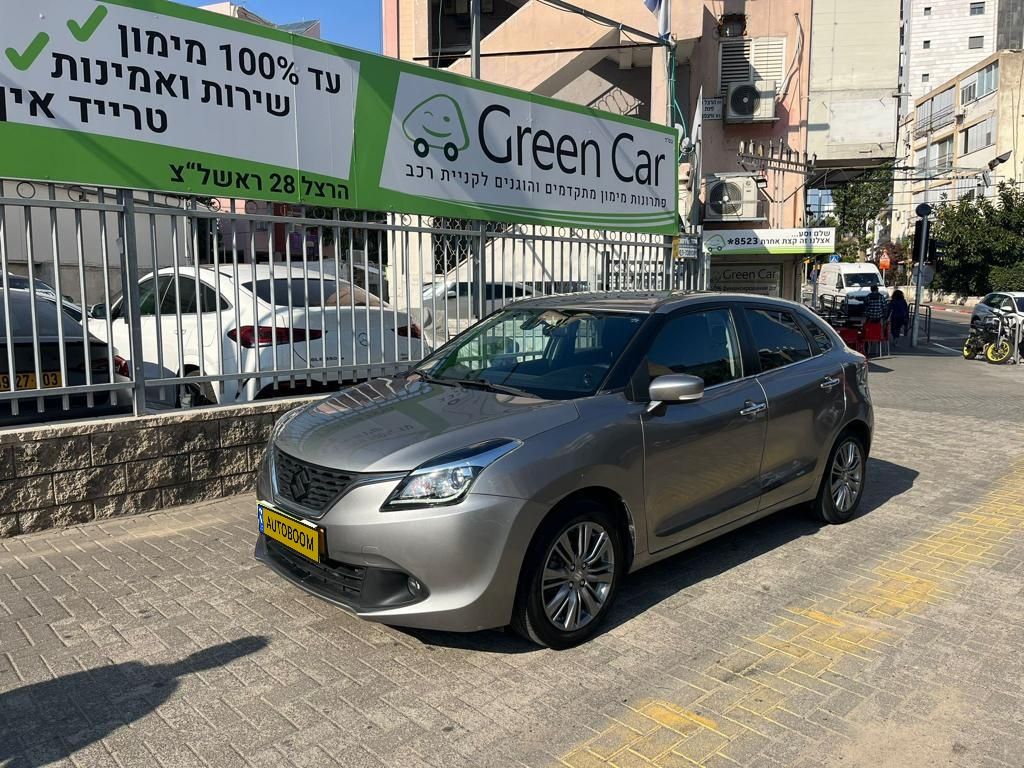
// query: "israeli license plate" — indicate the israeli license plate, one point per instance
point(50, 380)
point(298, 535)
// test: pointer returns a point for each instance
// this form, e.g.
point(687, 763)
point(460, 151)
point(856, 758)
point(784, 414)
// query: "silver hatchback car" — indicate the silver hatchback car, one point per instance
point(521, 471)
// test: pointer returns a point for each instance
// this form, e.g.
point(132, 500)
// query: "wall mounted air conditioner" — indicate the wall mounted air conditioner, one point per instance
point(750, 102)
point(731, 198)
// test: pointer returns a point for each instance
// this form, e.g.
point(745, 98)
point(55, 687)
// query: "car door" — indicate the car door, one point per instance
point(804, 386)
point(702, 458)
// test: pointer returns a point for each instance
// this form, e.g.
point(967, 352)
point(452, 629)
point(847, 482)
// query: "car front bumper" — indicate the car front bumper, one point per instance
point(466, 557)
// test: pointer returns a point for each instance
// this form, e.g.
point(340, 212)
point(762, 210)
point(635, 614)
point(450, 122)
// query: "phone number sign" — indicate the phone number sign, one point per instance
point(772, 242)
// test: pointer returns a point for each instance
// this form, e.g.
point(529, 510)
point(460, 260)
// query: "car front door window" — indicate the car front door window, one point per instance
point(703, 344)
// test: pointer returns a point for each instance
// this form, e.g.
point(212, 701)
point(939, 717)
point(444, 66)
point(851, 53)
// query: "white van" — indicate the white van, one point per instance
point(848, 282)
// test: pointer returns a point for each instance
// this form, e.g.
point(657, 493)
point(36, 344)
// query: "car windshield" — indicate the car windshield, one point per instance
point(22, 283)
point(555, 354)
point(861, 279)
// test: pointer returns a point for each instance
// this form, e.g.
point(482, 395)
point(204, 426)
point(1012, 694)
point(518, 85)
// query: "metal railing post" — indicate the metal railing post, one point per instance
point(131, 272)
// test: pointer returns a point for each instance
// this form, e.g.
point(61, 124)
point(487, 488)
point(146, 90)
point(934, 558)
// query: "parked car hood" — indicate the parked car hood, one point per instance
point(397, 424)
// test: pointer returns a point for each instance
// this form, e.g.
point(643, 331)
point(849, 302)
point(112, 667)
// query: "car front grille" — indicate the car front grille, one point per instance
point(307, 485)
point(338, 581)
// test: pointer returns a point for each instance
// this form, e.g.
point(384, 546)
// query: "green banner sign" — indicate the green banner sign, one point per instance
point(150, 94)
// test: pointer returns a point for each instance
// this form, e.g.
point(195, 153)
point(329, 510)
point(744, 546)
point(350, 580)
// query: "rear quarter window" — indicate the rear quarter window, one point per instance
point(821, 335)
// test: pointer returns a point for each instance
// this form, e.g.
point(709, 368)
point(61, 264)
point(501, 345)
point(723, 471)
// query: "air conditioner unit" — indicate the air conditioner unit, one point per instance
point(750, 102)
point(731, 198)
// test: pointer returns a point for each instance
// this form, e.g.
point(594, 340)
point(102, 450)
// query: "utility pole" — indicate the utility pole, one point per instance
point(921, 245)
point(479, 250)
point(474, 38)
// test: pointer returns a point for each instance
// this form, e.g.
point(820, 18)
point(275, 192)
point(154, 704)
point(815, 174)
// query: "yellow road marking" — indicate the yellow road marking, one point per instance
point(809, 649)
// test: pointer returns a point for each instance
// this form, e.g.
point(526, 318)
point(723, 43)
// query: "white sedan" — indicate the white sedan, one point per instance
point(264, 328)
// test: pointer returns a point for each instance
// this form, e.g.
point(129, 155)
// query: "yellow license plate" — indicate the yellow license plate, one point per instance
point(297, 535)
point(51, 379)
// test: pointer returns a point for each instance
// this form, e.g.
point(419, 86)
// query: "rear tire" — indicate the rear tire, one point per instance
point(196, 395)
point(842, 485)
point(570, 576)
point(970, 350)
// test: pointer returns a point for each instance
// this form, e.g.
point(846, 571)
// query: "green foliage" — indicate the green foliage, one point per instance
point(1008, 278)
point(859, 201)
point(979, 236)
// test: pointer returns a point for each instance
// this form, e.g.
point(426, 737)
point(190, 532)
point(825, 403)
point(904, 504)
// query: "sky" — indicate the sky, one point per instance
point(355, 23)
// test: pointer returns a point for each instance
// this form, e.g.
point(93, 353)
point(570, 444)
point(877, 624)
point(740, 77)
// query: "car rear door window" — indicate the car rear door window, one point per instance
point(778, 338)
point(703, 344)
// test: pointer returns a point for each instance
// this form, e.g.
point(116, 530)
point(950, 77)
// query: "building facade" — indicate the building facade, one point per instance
point(944, 37)
point(954, 132)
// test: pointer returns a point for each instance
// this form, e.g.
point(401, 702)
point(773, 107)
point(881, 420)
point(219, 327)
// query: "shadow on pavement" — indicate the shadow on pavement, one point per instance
point(48, 721)
point(648, 587)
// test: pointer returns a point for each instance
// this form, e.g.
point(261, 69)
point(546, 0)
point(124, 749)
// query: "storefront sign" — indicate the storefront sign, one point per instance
point(761, 279)
point(779, 242)
point(712, 108)
point(156, 95)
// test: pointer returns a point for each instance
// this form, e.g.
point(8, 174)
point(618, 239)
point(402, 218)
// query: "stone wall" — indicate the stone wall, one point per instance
point(67, 473)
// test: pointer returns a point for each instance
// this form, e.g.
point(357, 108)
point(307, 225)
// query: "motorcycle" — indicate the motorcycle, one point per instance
point(1008, 338)
point(980, 337)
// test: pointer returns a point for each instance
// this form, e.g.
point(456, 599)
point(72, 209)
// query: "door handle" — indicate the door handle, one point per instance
point(752, 409)
point(829, 382)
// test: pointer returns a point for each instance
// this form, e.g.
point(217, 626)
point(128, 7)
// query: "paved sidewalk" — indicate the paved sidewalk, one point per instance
point(891, 641)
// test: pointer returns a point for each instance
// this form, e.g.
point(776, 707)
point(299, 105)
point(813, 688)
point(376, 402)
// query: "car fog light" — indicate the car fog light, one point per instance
point(415, 587)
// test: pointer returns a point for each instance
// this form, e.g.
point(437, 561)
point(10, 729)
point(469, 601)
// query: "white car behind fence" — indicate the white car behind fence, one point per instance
point(247, 331)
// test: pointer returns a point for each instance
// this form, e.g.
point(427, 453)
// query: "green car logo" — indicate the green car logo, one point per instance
point(714, 243)
point(436, 122)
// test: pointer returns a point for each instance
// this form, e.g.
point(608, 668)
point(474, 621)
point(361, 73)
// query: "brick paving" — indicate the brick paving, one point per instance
point(891, 641)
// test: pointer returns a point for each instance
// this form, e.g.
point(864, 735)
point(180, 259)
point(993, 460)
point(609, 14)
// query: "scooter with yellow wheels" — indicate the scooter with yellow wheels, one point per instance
point(1007, 341)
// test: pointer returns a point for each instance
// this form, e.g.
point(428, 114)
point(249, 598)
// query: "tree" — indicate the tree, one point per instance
point(859, 200)
point(983, 239)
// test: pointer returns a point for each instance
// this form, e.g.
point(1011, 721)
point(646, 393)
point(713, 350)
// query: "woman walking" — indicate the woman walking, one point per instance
point(899, 315)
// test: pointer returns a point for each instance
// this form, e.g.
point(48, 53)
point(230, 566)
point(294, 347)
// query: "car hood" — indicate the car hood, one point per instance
point(394, 425)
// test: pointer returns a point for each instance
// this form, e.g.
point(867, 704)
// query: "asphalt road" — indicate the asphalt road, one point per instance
point(890, 642)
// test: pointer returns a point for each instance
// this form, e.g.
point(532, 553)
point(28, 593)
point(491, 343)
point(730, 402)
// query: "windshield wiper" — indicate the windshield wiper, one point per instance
point(435, 380)
point(487, 385)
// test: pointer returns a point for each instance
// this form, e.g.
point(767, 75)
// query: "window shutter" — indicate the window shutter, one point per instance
point(746, 60)
point(768, 59)
point(735, 63)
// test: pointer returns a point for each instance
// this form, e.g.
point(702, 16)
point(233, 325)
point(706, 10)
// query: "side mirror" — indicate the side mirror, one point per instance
point(98, 311)
point(674, 388)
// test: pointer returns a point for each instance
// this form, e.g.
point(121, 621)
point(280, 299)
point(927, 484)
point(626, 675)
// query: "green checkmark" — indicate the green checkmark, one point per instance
point(25, 60)
point(83, 32)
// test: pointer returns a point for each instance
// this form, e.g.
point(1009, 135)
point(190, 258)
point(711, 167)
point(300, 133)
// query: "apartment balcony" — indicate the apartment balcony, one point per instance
point(935, 122)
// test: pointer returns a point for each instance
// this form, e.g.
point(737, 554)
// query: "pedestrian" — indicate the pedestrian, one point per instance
point(899, 315)
point(874, 306)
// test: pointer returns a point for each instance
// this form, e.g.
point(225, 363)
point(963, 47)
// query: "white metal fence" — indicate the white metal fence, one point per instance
point(119, 301)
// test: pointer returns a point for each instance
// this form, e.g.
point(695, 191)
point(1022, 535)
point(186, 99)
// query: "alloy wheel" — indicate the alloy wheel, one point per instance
point(578, 571)
point(847, 476)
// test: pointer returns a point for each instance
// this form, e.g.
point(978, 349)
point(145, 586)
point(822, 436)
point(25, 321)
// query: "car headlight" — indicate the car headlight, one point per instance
point(446, 479)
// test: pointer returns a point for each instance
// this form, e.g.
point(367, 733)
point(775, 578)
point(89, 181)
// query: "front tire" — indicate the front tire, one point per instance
point(999, 352)
point(570, 576)
point(842, 485)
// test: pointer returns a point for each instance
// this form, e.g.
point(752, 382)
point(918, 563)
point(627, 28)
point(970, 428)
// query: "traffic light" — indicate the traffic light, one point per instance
point(936, 251)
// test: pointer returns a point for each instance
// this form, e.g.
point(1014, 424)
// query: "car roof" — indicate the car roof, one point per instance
point(262, 271)
point(646, 302)
point(1014, 294)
